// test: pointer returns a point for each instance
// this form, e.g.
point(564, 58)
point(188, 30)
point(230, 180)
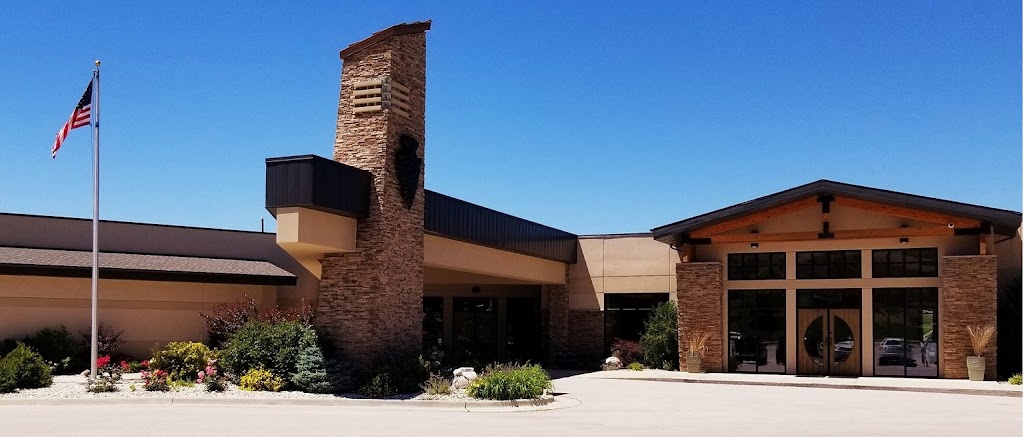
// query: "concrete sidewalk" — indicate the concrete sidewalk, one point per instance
point(957, 386)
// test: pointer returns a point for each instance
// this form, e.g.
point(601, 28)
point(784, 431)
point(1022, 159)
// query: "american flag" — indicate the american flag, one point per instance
point(81, 116)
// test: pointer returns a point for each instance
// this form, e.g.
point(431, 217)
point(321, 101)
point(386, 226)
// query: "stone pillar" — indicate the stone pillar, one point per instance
point(586, 334)
point(968, 299)
point(699, 290)
point(558, 320)
point(371, 300)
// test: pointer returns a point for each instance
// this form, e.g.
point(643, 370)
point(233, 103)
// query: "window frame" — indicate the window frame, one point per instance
point(824, 261)
point(750, 266)
point(895, 263)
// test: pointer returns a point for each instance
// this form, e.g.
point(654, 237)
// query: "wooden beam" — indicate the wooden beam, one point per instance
point(838, 235)
point(687, 253)
point(754, 218)
point(909, 213)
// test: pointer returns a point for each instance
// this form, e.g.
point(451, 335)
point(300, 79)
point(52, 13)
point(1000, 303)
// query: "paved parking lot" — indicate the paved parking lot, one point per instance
point(607, 407)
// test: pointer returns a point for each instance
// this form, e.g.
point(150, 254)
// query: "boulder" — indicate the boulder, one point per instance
point(461, 370)
point(460, 382)
point(613, 361)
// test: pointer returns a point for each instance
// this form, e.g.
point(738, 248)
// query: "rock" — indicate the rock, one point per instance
point(460, 382)
point(613, 360)
point(461, 370)
point(469, 374)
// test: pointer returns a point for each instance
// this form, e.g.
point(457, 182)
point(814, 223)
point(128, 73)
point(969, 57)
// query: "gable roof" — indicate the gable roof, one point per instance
point(1005, 222)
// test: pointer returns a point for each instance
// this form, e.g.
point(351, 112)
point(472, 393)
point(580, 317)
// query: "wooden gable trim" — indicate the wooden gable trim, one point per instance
point(853, 234)
point(909, 213)
point(714, 231)
point(757, 217)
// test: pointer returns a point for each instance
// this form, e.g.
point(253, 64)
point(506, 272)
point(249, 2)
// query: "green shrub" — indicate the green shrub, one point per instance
point(30, 371)
point(260, 379)
point(660, 340)
point(67, 354)
point(7, 382)
point(437, 385)
point(506, 382)
point(635, 366)
point(182, 360)
point(275, 347)
point(378, 387)
point(1015, 379)
point(311, 369)
point(404, 373)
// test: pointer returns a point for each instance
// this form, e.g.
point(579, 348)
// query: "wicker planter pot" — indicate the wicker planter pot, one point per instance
point(976, 368)
point(693, 363)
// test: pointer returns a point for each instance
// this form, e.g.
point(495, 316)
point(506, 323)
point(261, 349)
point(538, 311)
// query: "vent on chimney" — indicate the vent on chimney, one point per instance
point(380, 94)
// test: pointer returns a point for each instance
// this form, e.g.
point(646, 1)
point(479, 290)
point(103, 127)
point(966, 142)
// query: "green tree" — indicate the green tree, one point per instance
point(660, 339)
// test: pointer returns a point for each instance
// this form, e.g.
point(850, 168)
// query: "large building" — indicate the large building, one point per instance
point(823, 279)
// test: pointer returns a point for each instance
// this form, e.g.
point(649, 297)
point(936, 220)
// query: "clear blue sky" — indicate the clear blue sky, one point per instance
point(593, 118)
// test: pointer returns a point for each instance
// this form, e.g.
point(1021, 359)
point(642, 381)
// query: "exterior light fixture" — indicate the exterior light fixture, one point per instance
point(753, 245)
point(904, 240)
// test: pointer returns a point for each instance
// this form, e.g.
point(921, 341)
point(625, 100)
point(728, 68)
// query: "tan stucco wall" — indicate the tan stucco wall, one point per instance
point(307, 234)
point(633, 263)
point(453, 255)
point(150, 313)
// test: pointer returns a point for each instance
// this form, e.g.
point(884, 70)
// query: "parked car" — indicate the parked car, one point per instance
point(842, 351)
point(893, 352)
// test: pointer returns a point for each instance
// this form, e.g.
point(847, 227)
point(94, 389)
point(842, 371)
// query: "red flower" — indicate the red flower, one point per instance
point(125, 366)
point(145, 364)
point(103, 361)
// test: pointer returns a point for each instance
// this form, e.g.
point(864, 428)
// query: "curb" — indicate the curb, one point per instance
point(958, 391)
point(543, 403)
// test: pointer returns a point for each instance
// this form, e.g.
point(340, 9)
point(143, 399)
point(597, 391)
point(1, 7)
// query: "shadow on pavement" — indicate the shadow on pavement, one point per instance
point(565, 373)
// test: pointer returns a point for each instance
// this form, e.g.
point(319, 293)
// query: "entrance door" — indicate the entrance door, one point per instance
point(828, 340)
point(475, 330)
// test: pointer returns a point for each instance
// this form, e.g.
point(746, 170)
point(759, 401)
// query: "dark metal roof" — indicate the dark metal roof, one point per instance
point(78, 263)
point(1005, 222)
point(457, 219)
point(398, 29)
point(319, 183)
point(310, 181)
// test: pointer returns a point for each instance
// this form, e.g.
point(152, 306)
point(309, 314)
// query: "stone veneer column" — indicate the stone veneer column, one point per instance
point(969, 295)
point(699, 291)
point(586, 334)
point(371, 300)
point(558, 320)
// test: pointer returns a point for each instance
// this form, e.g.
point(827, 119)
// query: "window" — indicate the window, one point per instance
point(757, 331)
point(433, 324)
point(625, 313)
point(769, 265)
point(906, 331)
point(836, 264)
point(905, 263)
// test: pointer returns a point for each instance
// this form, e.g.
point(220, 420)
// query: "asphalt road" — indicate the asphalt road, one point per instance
point(607, 407)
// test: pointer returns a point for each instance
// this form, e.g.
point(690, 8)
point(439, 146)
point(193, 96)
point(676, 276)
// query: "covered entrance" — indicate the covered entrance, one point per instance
point(828, 332)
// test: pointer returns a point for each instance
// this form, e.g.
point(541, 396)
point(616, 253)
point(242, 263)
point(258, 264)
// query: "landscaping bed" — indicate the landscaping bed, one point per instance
point(74, 387)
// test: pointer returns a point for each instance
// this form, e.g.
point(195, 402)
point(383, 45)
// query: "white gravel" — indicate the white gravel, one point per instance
point(74, 387)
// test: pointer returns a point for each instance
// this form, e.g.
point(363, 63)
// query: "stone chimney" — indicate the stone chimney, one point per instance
point(371, 300)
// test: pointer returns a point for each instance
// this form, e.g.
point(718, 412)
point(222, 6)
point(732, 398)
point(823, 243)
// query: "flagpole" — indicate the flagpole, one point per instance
point(95, 214)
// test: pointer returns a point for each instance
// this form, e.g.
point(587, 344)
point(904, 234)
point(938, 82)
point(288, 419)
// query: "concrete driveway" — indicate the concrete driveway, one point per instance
point(607, 407)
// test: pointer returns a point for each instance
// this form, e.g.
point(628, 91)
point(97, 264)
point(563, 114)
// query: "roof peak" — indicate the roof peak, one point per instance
point(381, 35)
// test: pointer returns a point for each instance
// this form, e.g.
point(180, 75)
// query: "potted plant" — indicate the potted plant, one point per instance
point(981, 336)
point(697, 344)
